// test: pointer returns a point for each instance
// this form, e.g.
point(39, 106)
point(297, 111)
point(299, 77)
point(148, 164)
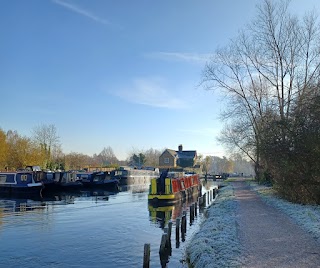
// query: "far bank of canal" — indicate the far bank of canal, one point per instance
point(92, 229)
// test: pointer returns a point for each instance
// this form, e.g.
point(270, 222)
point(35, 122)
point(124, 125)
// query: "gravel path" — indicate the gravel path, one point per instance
point(269, 237)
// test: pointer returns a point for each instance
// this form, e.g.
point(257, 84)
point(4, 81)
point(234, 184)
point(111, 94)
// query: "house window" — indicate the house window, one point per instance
point(166, 160)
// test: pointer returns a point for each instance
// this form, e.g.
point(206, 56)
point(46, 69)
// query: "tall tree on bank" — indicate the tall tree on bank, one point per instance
point(266, 73)
point(46, 137)
point(21, 151)
point(3, 150)
point(107, 156)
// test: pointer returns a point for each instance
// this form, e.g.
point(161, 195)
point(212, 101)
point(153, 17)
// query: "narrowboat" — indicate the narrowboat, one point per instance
point(67, 180)
point(47, 178)
point(170, 189)
point(97, 179)
point(44, 176)
point(20, 182)
point(131, 175)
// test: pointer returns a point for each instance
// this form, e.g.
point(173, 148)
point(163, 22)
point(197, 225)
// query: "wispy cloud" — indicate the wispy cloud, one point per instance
point(81, 11)
point(151, 92)
point(178, 56)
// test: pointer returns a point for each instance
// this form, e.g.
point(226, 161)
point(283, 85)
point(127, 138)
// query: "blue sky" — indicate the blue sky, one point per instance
point(119, 73)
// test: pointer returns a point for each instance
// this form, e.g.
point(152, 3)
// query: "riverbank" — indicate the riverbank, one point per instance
point(225, 237)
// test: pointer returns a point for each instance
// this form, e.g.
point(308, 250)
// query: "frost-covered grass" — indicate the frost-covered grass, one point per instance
point(217, 244)
point(307, 216)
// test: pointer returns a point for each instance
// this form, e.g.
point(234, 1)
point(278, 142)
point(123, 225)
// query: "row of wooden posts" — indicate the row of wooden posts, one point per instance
point(165, 245)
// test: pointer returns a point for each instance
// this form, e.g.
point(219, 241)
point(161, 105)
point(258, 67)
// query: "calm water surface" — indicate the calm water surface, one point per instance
point(90, 229)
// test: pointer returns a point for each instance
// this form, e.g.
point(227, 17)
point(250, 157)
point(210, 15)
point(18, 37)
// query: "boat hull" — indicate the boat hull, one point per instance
point(169, 191)
point(16, 189)
point(19, 183)
point(174, 198)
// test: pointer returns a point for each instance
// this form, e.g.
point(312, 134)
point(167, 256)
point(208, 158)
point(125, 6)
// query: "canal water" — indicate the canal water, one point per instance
point(93, 229)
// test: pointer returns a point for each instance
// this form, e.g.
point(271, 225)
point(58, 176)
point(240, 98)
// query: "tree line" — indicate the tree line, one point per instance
point(44, 149)
point(270, 74)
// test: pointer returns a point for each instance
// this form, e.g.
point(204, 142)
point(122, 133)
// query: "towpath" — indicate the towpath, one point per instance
point(271, 238)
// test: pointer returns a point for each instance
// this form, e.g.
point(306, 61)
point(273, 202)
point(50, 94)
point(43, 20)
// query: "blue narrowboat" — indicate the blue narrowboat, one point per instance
point(21, 182)
point(67, 180)
point(98, 179)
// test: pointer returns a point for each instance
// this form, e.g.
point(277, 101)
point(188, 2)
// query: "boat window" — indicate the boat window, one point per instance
point(24, 177)
point(3, 178)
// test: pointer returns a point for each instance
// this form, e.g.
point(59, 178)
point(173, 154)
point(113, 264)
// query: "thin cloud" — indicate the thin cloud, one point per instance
point(81, 11)
point(150, 92)
point(178, 56)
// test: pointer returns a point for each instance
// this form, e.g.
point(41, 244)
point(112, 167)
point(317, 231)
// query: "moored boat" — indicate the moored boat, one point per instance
point(168, 189)
point(131, 175)
point(20, 182)
point(67, 180)
point(97, 179)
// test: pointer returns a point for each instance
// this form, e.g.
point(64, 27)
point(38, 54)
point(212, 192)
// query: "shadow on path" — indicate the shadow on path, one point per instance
point(269, 237)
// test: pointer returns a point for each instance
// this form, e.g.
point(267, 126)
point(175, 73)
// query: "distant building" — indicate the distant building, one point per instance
point(173, 159)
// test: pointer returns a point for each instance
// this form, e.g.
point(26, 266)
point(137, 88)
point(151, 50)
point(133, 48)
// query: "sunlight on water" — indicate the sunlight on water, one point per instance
point(80, 230)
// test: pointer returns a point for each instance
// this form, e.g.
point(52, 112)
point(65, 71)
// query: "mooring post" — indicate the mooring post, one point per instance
point(191, 214)
point(165, 230)
point(169, 229)
point(163, 244)
point(195, 209)
point(204, 199)
point(183, 228)
point(146, 256)
point(177, 232)
point(184, 220)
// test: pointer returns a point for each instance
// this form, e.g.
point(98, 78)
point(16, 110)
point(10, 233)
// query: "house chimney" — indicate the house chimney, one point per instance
point(180, 148)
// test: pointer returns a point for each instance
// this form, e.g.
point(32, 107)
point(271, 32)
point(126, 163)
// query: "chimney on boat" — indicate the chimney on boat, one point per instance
point(180, 148)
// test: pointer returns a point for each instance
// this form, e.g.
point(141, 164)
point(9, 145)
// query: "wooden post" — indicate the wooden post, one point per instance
point(204, 199)
point(195, 209)
point(191, 214)
point(163, 244)
point(146, 256)
point(165, 230)
point(177, 232)
point(184, 221)
point(169, 229)
point(183, 228)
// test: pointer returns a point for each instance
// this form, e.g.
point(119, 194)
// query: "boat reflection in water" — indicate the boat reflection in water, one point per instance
point(11, 204)
point(15, 205)
point(135, 184)
point(69, 196)
point(163, 214)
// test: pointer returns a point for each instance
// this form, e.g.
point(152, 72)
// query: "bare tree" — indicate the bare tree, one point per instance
point(3, 150)
point(148, 157)
point(107, 156)
point(206, 165)
point(46, 137)
point(267, 69)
